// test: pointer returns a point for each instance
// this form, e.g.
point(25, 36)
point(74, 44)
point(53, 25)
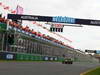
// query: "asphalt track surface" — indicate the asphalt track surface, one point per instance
point(44, 68)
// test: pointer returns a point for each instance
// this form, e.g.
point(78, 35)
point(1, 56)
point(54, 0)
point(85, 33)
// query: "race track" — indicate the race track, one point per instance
point(44, 68)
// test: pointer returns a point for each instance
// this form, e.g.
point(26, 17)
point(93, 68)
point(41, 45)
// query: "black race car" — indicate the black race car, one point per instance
point(67, 61)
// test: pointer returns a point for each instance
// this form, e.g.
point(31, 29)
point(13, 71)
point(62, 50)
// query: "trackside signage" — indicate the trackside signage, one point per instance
point(58, 19)
point(88, 22)
point(97, 51)
point(29, 17)
point(90, 51)
point(61, 19)
point(95, 22)
point(9, 56)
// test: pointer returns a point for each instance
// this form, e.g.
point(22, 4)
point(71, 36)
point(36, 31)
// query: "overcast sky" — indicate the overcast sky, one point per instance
point(86, 37)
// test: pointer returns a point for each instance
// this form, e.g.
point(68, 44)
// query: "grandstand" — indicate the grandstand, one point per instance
point(23, 40)
point(27, 44)
point(22, 43)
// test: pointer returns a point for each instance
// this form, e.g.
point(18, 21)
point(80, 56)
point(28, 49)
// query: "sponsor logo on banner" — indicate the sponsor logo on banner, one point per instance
point(94, 22)
point(55, 59)
point(98, 51)
point(63, 19)
point(46, 58)
point(29, 17)
point(9, 56)
point(51, 58)
point(90, 51)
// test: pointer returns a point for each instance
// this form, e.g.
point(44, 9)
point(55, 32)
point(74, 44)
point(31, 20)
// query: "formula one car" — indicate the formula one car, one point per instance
point(67, 61)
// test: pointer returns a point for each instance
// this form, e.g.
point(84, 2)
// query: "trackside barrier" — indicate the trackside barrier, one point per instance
point(32, 57)
point(60, 59)
point(7, 56)
point(27, 57)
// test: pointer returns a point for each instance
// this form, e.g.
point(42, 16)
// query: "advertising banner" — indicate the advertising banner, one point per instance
point(46, 58)
point(97, 51)
point(29, 17)
point(88, 22)
point(55, 19)
point(7, 56)
point(90, 51)
point(55, 58)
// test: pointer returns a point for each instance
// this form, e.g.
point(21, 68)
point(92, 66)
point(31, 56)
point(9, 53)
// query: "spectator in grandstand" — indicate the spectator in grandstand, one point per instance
point(33, 32)
point(38, 34)
point(26, 28)
point(2, 19)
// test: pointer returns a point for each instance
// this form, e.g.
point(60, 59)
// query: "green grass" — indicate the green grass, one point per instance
point(94, 72)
